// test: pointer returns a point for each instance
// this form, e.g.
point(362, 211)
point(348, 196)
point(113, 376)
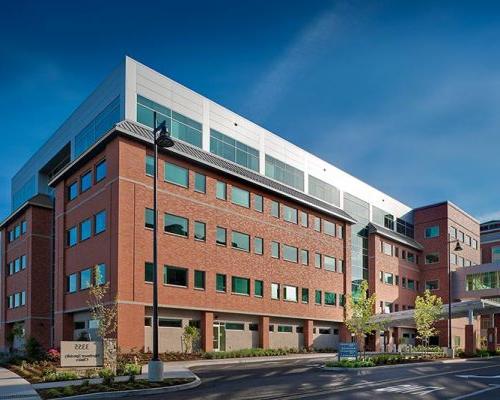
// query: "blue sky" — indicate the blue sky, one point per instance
point(403, 95)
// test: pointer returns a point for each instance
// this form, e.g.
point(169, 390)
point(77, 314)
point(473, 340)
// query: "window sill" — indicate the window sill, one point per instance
point(200, 240)
point(258, 297)
point(238, 249)
point(176, 235)
point(220, 291)
point(175, 286)
point(241, 294)
point(199, 289)
point(221, 244)
point(176, 184)
point(200, 191)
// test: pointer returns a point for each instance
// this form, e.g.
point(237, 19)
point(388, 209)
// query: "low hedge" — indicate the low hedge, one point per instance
point(251, 353)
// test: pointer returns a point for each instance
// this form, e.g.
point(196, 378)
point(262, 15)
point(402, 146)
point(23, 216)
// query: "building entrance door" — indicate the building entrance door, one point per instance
point(219, 336)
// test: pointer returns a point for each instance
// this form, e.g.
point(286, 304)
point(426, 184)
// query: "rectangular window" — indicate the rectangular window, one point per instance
point(85, 229)
point(432, 285)
point(411, 284)
point(340, 266)
point(221, 236)
point(388, 278)
point(176, 175)
point(100, 171)
point(452, 231)
point(342, 300)
point(285, 329)
point(258, 245)
point(100, 274)
point(176, 225)
point(290, 253)
point(221, 190)
point(340, 231)
point(290, 214)
point(175, 276)
point(150, 165)
point(17, 265)
point(284, 173)
point(410, 257)
point(305, 295)
point(149, 218)
point(240, 285)
point(169, 323)
point(73, 191)
point(467, 240)
point(85, 278)
point(275, 250)
point(330, 299)
point(304, 257)
point(304, 219)
point(258, 203)
point(317, 260)
point(317, 297)
point(259, 288)
point(329, 228)
point(330, 263)
point(200, 231)
point(275, 209)
point(275, 291)
point(100, 222)
point(220, 282)
point(199, 279)
point(240, 241)
point(432, 232)
point(79, 325)
point(253, 327)
point(17, 299)
point(387, 248)
point(317, 224)
point(72, 236)
point(234, 326)
point(200, 183)
point(432, 258)
point(23, 262)
point(234, 150)
point(290, 293)
point(148, 272)
point(324, 191)
point(461, 236)
point(72, 282)
point(86, 181)
point(240, 197)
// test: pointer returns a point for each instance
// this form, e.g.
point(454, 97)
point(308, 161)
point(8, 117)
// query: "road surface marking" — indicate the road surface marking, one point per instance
point(465, 396)
point(417, 390)
point(479, 376)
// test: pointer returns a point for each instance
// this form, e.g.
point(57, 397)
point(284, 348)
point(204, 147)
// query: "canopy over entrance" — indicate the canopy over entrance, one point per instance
point(458, 310)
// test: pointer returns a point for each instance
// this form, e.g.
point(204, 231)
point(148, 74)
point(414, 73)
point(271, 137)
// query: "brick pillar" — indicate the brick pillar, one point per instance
point(344, 334)
point(497, 325)
point(470, 340)
point(492, 339)
point(395, 338)
point(264, 332)
point(63, 328)
point(207, 331)
point(130, 328)
point(308, 333)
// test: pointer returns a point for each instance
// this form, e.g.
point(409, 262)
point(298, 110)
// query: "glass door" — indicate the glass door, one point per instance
point(219, 341)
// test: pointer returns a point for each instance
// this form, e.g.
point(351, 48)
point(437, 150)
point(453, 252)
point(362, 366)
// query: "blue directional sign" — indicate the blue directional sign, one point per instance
point(348, 350)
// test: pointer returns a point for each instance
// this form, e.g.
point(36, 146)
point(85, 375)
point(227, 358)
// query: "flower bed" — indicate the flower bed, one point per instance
point(87, 388)
point(385, 359)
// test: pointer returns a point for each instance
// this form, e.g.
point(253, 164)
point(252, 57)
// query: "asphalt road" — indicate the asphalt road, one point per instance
point(304, 379)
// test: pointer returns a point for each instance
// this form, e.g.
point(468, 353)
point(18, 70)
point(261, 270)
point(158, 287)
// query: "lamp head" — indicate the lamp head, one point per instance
point(458, 247)
point(163, 139)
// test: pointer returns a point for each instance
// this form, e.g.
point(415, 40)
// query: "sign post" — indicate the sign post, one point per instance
point(348, 350)
point(81, 354)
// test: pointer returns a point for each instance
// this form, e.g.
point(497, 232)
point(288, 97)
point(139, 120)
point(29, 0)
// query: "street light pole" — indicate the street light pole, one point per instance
point(457, 248)
point(161, 138)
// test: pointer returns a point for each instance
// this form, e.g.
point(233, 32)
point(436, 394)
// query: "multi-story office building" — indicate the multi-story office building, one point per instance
point(261, 241)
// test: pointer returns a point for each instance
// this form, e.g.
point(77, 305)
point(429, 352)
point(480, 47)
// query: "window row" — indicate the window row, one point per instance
point(87, 179)
point(482, 281)
point(388, 307)
point(391, 250)
point(391, 279)
point(16, 300)
point(178, 175)
point(434, 258)
point(17, 231)
point(462, 237)
point(17, 265)
point(86, 278)
point(83, 230)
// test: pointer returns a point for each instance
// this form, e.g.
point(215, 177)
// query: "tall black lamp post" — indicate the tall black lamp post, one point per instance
point(161, 138)
point(457, 248)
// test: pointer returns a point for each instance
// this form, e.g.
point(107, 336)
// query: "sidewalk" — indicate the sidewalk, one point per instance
point(12, 386)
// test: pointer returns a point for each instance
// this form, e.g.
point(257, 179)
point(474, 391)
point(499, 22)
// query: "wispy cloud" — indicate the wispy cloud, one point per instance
point(305, 50)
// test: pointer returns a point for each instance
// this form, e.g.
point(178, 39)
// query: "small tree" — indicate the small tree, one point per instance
point(360, 314)
point(189, 337)
point(105, 314)
point(427, 310)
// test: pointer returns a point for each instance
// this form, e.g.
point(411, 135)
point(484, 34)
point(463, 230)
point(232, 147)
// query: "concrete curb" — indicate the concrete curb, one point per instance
point(137, 392)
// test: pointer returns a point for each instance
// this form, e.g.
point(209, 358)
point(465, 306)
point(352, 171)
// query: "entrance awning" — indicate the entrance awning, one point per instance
point(458, 310)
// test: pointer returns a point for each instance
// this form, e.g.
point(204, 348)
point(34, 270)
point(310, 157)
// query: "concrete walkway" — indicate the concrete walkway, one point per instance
point(12, 386)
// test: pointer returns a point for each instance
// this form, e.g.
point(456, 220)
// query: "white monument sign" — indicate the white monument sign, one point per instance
point(81, 354)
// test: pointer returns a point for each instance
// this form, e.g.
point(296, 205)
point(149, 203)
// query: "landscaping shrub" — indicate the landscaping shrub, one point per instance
point(350, 364)
point(53, 355)
point(258, 352)
point(107, 376)
point(482, 353)
point(34, 350)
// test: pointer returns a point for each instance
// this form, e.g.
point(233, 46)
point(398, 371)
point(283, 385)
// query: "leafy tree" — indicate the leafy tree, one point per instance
point(103, 312)
point(427, 310)
point(360, 312)
point(189, 337)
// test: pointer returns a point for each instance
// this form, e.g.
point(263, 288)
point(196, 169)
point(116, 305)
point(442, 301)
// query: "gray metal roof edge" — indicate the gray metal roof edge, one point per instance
point(124, 127)
point(375, 228)
point(440, 203)
point(29, 202)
